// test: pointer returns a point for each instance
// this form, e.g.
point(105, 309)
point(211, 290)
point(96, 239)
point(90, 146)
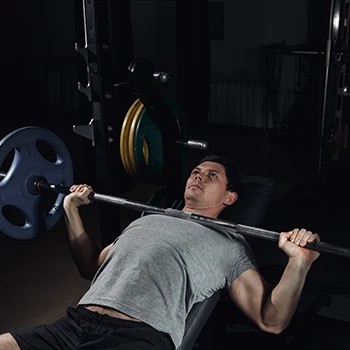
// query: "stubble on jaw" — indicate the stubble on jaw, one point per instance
point(192, 197)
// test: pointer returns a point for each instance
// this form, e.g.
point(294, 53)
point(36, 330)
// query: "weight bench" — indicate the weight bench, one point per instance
point(255, 198)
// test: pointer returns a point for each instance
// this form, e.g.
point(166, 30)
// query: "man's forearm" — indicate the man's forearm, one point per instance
point(283, 300)
point(84, 250)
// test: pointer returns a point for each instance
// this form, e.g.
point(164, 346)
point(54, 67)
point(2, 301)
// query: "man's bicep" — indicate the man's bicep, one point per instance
point(249, 292)
point(101, 258)
point(103, 254)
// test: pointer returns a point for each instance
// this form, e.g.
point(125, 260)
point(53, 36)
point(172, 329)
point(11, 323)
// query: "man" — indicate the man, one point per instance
point(145, 283)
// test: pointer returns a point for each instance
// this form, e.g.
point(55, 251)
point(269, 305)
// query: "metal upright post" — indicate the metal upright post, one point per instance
point(341, 120)
point(324, 137)
point(107, 52)
point(334, 85)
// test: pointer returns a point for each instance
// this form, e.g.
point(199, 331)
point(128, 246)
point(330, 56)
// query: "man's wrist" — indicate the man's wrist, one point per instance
point(300, 263)
point(69, 205)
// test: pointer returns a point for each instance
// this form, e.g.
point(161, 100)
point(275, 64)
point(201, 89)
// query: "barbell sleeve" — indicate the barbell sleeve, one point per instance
point(42, 185)
point(197, 144)
point(214, 223)
point(160, 77)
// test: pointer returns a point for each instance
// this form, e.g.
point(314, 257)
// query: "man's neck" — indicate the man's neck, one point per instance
point(209, 212)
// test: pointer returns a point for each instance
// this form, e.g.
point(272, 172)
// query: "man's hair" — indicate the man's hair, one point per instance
point(233, 179)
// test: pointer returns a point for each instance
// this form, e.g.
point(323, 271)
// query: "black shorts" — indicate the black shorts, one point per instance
point(85, 329)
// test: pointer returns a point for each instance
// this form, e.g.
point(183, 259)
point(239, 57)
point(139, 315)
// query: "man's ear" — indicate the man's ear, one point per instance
point(231, 197)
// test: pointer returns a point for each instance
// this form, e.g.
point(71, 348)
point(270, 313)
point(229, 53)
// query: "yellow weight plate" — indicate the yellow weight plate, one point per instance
point(130, 157)
point(145, 151)
point(178, 125)
point(131, 154)
point(124, 137)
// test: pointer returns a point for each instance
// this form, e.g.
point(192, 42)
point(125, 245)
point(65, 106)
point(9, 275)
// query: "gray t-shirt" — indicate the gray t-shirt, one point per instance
point(160, 266)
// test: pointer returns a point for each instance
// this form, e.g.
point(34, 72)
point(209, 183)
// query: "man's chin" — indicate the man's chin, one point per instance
point(190, 198)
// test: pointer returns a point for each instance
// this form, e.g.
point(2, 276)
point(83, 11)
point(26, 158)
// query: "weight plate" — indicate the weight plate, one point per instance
point(181, 118)
point(178, 204)
point(147, 136)
point(131, 155)
point(124, 137)
point(148, 149)
point(28, 161)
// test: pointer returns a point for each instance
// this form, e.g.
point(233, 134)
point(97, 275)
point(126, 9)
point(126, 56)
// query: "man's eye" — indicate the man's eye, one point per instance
point(213, 175)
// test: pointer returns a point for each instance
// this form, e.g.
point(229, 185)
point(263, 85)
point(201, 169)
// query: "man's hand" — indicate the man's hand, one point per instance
point(292, 244)
point(79, 195)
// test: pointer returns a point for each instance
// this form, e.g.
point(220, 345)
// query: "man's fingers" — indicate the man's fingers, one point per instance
point(314, 237)
point(284, 236)
point(300, 236)
point(293, 243)
point(82, 191)
point(80, 188)
point(308, 237)
point(293, 235)
point(296, 235)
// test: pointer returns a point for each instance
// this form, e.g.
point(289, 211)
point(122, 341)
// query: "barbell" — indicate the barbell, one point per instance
point(31, 177)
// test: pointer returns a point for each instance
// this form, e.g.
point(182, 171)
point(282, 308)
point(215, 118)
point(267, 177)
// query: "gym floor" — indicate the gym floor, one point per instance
point(39, 279)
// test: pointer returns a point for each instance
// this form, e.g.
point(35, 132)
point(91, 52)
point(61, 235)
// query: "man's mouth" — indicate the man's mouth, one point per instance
point(195, 185)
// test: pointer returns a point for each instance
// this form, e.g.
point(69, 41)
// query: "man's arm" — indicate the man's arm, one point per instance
point(273, 310)
point(86, 254)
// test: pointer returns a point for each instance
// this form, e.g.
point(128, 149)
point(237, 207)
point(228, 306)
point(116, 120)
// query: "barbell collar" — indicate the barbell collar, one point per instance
point(197, 144)
point(160, 77)
point(42, 186)
point(346, 91)
point(33, 184)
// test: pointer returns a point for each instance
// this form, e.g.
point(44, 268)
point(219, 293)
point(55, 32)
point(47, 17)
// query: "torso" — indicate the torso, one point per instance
point(110, 312)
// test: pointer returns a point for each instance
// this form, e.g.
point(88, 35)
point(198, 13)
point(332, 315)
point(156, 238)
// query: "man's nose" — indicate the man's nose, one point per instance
point(199, 177)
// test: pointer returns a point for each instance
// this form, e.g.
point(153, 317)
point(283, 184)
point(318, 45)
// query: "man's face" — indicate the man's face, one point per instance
point(206, 186)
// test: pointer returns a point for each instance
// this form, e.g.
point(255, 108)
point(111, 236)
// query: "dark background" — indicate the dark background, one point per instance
point(40, 73)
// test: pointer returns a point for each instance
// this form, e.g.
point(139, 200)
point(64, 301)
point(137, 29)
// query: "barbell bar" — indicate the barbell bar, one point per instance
point(38, 185)
point(31, 176)
point(218, 224)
